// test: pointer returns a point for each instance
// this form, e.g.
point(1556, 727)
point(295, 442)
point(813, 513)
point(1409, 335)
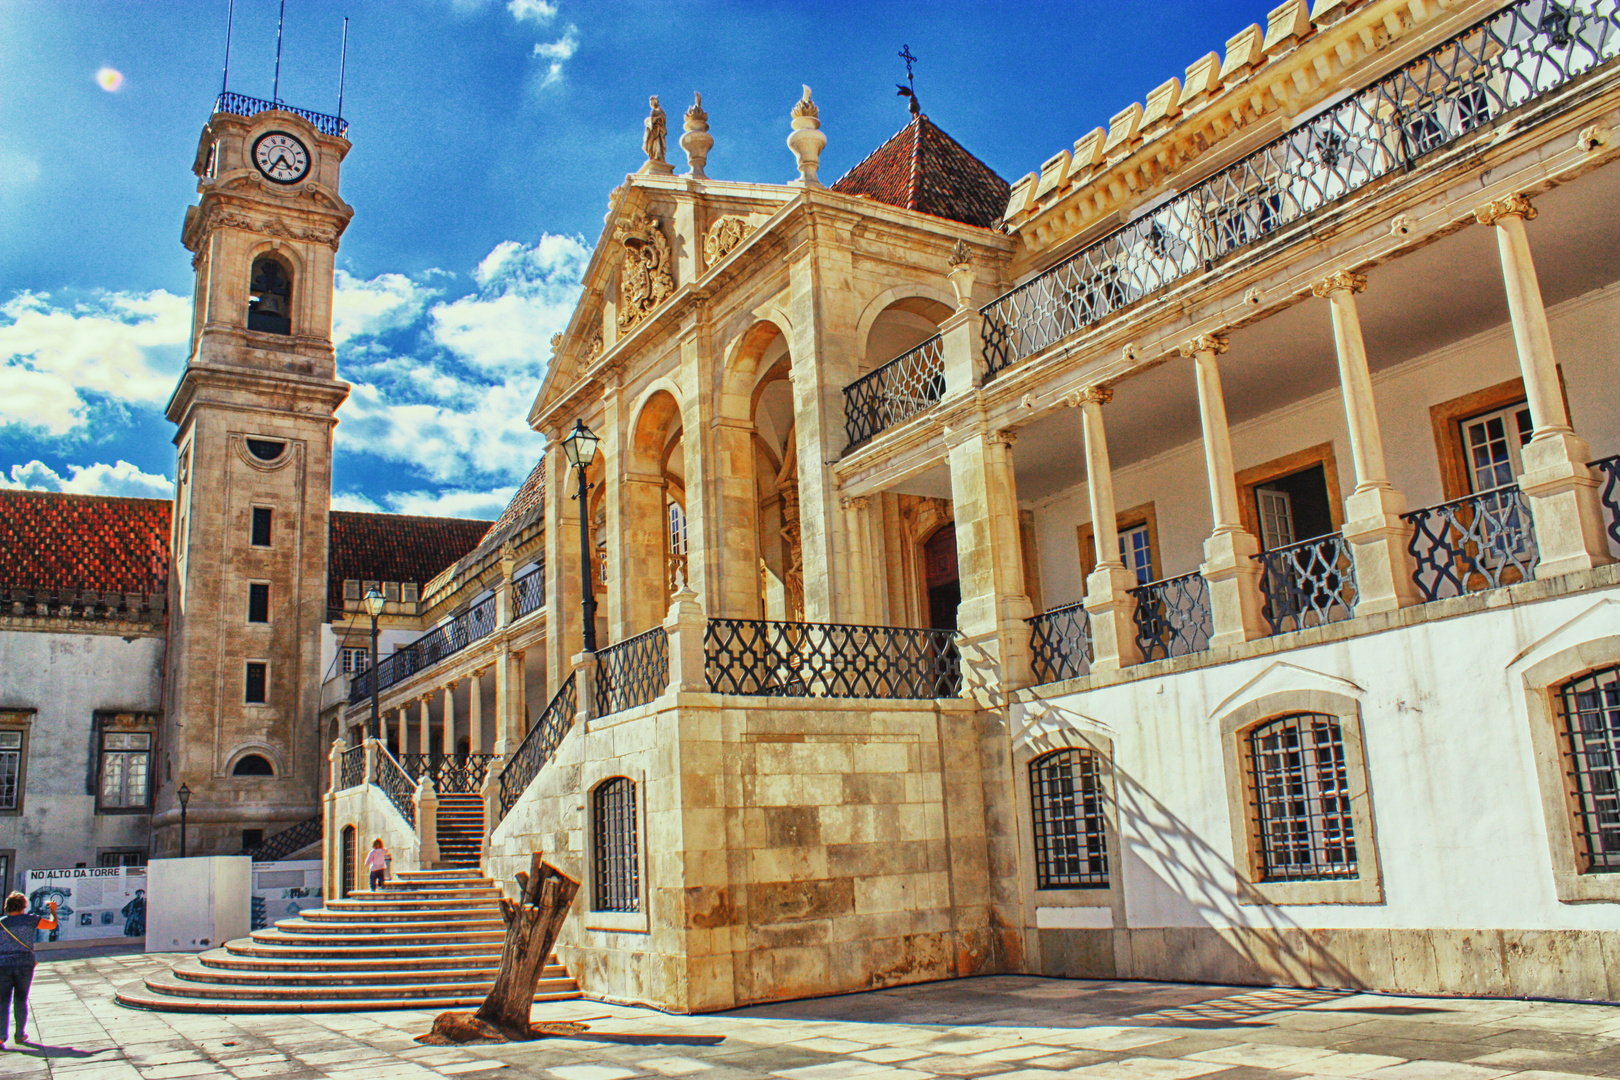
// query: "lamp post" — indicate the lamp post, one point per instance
point(580, 446)
point(373, 603)
point(185, 797)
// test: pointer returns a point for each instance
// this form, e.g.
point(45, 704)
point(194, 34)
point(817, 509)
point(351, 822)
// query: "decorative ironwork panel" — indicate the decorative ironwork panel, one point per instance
point(615, 873)
point(1061, 642)
point(633, 672)
point(1302, 799)
point(442, 641)
point(287, 841)
point(529, 591)
point(895, 392)
point(400, 788)
point(539, 744)
point(831, 660)
point(242, 105)
point(352, 767)
point(1472, 544)
point(1608, 469)
point(452, 774)
point(1310, 583)
point(1591, 707)
point(1173, 617)
point(1071, 838)
point(1506, 60)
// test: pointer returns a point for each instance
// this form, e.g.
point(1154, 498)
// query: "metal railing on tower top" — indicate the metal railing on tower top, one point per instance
point(242, 105)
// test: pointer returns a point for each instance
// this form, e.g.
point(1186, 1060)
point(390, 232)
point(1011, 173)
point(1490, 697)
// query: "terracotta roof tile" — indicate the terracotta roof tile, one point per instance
point(394, 547)
point(57, 541)
point(921, 168)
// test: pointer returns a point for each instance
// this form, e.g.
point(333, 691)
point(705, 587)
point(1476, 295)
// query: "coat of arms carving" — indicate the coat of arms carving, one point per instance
point(645, 280)
point(723, 237)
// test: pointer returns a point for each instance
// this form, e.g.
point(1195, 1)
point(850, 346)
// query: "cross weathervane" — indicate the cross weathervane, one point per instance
point(910, 89)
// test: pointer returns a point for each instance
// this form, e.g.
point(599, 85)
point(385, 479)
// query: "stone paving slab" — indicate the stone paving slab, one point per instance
point(993, 1027)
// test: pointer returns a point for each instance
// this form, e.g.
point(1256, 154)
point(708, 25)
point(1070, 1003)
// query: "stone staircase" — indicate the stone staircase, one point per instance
point(431, 939)
point(460, 823)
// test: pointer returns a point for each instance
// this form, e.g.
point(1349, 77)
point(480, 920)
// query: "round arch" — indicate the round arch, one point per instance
point(240, 760)
point(899, 295)
point(741, 370)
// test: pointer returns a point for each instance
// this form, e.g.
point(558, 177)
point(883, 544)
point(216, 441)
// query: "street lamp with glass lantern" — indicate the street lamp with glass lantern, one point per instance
point(373, 604)
point(580, 446)
point(184, 794)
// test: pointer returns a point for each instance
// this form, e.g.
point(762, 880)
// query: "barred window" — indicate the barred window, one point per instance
point(122, 857)
point(1302, 799)
point(10, 769)
point(1591, 722)
point(613, 846)
point(356, 660)
point(1071, 842)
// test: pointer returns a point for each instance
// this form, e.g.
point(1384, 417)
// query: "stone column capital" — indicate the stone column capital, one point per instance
point(1507, 206)
point(1091, 395)
point(1340, 281)
point(1214, 344)
point(1006, 437)
point(857, 503)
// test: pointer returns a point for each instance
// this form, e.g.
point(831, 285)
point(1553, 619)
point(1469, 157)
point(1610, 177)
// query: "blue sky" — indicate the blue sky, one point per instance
point(487, 136)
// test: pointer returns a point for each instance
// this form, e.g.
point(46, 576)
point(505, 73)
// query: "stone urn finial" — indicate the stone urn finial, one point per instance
point(807, 141)
point(961, 275)
point(697, 141)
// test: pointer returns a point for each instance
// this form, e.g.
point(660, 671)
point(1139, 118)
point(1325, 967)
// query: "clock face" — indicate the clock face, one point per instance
point(281, 157)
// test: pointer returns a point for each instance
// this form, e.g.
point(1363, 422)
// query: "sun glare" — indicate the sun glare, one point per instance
point(110, 79)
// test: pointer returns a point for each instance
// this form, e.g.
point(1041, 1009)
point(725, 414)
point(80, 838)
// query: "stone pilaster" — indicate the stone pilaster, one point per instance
point(963, 347)
point(1108, 598)
point(1561, 489)
point(737, 516)
point(427, 822)
point(1373, 527)
point(1230, 567)
point(475, 711)
point(685, 624)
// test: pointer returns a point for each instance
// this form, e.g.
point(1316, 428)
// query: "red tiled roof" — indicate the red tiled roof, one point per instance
point(57, 541)
point(921, 168)
point(520, 513)
point(394, 547)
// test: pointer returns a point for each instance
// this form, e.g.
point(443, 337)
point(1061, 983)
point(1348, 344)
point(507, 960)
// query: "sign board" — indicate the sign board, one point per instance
point(93, 903)
point(281, 890)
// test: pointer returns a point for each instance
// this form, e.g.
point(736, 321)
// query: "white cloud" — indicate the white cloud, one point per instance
point(363, 308)
point(558, 52)
point(461, 502)
point(536, 10)
point(127, 347)
point(99, 479)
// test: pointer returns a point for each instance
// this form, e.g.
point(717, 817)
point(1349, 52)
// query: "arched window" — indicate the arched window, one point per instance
point(253, 765)
point(270, 297)
point(616, 877)
point(1591, 731)
point(676, 576)
point(1301, 799)
point(1071, 838)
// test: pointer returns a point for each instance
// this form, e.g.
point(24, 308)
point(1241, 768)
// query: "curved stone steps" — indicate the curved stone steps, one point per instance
point(134, 997)
point(344, 964)
point(184, 983)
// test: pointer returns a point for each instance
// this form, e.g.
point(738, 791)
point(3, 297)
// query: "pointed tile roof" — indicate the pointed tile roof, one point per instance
point(921, 168)
point(54, 540)
point(394, 547)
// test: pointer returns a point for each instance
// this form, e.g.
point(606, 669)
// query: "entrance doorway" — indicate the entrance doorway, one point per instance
point(940, 578)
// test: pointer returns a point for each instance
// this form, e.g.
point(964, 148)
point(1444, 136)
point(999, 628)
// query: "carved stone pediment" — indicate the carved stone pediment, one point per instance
point(723, 237)
point(645, 280)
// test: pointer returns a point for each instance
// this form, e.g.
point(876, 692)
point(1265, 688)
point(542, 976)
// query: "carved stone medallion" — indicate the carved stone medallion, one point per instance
point(723, 237)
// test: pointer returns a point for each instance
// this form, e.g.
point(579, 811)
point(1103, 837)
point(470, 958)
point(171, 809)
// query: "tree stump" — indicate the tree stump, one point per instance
point(532, 924)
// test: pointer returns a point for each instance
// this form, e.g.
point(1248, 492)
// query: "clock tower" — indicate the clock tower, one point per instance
point(254, 413)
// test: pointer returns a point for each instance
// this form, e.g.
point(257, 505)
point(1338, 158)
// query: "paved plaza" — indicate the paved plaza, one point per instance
point(1006, 1027)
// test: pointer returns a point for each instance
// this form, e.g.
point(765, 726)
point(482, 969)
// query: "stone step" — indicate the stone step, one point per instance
point(140, 997)
point(198, 980)
point(448, 917)
point(411, 939)
point(353, 949)
point(386, 926)
point(363, 904)
point(340, 961)
point(387, 895)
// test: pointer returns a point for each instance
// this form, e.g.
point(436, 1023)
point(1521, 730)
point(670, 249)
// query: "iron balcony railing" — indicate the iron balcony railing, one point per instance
point(529, 591)
point(474, 624)
point(242, 105)
point(352, 767)
point(895, 392)
point(1472, 544)
point(1173, 617)
point(633, 672)
point(539, 744)
point(1309, 583)
point(287, 841)
point(830, 660)
point(400, 788)
point(1608, 470)
point(452, 774)
point(1061, 642)
point(1522, 52)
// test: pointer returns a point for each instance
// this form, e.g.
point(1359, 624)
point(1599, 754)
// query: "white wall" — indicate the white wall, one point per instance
point(1586, 340)
point(68, 677)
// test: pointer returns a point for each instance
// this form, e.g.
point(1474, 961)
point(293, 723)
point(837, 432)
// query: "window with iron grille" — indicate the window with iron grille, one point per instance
point(1302, 799)
point(1591, 722)
point(356, 660)
point(122, 857)
point(126, 769)
point(10, 769)
point(1071, 841)
point(613, 846)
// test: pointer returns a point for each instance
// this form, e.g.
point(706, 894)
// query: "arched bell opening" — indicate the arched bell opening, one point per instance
point(270, 291)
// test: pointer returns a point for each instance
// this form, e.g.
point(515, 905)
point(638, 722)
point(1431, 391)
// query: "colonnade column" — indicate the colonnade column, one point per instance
point(991, 618)
point(475, 711)
point(1108, 600)
point(1561, 489)
point(1230, 568)
point(401, 729)
point(448, 735)
point(863, 606)
point(1373, 527)
point(422, 725)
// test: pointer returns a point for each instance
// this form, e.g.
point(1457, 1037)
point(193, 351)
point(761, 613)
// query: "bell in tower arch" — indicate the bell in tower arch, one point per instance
point(270, 297)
